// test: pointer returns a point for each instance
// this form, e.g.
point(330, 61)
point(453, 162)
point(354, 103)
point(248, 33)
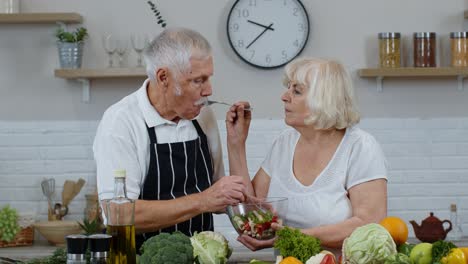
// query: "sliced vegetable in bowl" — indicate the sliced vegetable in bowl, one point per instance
point(254, 217)
point(256, 223)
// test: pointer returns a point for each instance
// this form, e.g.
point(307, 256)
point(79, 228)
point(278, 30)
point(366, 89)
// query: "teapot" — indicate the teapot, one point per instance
point(431, 229)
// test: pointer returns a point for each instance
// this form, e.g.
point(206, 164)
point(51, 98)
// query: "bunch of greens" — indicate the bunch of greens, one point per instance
point(59, 257)
point(368, 244)
point(441, 249)
point(210, 248)
point(8, 223)
point(405, 248)
point(292, 242)
point(167, 248)
point(156, 12)
point(75, 36)
point(399, 258)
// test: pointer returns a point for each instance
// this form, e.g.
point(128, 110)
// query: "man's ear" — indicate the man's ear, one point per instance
point(162, 77)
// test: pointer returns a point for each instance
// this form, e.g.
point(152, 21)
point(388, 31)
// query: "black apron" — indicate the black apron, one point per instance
point(175, 170)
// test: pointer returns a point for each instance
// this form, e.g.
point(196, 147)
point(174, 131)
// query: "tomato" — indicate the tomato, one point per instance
point(259, 228)
point(328, 259)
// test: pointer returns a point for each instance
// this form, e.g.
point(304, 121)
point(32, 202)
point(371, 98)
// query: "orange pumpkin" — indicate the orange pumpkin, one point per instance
point(397, 229)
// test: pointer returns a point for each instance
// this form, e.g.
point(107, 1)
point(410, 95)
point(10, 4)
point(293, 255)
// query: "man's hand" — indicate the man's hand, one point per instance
point(238, 123)
point(228, 190)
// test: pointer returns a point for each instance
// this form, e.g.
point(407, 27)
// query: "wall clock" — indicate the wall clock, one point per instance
point(268, 33)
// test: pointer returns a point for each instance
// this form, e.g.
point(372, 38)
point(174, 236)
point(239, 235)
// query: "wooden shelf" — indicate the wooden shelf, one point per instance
point(441, 72)
point(86, 75)
point(100, 73)
point(40, 18)
point(413, 72)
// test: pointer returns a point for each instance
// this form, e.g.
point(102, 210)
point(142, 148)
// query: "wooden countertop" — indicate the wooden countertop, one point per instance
point(42, 249)
point(240, 255)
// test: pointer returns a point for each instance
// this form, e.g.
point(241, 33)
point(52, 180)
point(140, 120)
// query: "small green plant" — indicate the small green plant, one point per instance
point(156, 12)
point(8, 223)
point(75, 36)
point(90, 227)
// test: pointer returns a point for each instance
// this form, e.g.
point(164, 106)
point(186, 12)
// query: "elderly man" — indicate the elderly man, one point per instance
point(168, 142)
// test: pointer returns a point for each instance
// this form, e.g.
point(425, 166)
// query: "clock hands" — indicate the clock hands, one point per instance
point(258, 24)
point(263, 32)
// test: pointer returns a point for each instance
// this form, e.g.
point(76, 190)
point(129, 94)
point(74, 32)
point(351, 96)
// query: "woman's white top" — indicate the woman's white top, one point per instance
point(358, 158)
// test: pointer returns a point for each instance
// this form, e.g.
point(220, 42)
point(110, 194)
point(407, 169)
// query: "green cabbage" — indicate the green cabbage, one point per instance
point(210, 248)
point(369, 244)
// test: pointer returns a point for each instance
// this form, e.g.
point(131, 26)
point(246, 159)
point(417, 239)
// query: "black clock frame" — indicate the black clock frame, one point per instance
point(266, 67)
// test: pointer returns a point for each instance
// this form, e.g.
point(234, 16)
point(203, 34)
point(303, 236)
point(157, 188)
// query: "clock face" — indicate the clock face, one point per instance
point(268, 33)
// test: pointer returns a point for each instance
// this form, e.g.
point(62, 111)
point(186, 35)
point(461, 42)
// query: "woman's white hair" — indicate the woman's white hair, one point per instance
point(173, 48)
point(330, 94)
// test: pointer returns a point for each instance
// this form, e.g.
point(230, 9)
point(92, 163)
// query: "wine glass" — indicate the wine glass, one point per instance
point(139, 43)
point(121, 49)
point(110, 46)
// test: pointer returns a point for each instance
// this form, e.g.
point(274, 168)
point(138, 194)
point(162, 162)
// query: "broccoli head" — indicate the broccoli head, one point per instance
point(168, 249)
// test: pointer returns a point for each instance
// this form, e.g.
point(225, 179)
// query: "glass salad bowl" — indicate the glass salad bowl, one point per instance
point(255, 216)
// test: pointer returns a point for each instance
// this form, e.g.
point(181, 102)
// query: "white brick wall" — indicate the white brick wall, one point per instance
point(428, 163)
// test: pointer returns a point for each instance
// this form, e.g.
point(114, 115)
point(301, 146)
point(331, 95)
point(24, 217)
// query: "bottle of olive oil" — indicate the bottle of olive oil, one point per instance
point(456, 233)
point(120, 223)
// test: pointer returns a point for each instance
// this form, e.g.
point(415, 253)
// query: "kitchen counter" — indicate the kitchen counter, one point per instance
point(240, 255)
point(42, 249)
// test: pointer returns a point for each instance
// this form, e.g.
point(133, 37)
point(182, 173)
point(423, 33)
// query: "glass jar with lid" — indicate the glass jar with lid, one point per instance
point(424, 49)
point(459, 49)
point(92, 209)
point(389, 49)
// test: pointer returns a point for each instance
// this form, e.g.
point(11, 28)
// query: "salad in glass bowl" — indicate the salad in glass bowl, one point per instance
point(255, 216)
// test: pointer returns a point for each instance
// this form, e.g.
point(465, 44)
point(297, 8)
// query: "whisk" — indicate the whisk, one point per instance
point(48, 189)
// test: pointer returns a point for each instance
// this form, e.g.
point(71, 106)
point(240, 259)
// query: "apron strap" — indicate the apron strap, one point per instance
point(152, 134)
point(198, 128)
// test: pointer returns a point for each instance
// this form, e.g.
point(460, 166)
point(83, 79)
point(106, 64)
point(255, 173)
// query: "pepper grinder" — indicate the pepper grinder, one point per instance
point(76, 249)
point(99, 246)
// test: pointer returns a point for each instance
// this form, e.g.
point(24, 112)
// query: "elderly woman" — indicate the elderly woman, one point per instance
point(333, 173)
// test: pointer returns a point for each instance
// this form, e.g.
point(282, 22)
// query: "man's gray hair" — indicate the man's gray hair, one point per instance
point(173, 48)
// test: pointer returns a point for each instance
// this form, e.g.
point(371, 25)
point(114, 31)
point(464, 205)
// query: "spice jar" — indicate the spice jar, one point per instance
point(424, 49)
point(459, 48)
point(389, 49)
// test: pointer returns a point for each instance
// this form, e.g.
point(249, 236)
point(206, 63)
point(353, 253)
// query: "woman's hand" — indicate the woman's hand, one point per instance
point(238, 123)
point(255, 244)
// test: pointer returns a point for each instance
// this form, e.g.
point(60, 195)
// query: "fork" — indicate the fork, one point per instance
point(210, 102)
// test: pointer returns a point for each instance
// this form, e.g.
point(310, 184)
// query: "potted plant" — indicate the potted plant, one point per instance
point(70, 46)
